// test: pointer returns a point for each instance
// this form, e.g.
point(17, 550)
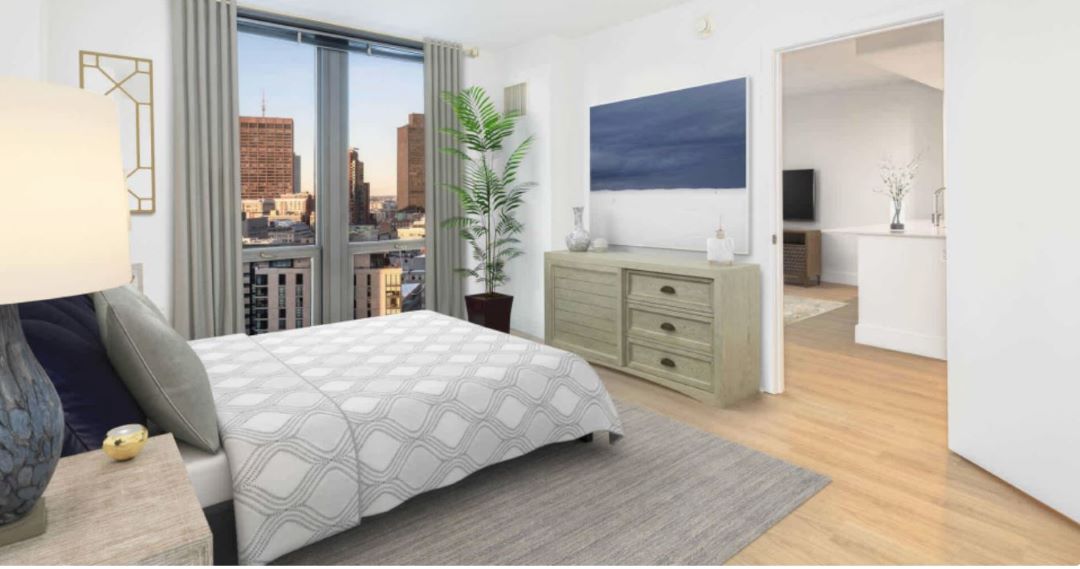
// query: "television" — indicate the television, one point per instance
point(799, 195)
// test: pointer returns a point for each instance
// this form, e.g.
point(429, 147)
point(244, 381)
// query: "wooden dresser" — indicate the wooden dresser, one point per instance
point(677, 320)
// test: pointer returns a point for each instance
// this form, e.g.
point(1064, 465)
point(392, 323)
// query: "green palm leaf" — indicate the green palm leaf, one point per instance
point(489, 195)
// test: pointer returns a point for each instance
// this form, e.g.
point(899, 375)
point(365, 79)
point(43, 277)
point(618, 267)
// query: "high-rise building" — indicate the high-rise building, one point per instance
point(294, 207)
point(376, 286)
point(266, 157)
point(277, 295)
point(410, 163)
point(359, 192)
point(296, 173)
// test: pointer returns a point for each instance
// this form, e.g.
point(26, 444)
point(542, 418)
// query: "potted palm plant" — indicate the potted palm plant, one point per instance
point(490, 197)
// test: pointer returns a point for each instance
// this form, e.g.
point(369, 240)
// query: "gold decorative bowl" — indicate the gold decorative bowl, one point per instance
point(124, 442)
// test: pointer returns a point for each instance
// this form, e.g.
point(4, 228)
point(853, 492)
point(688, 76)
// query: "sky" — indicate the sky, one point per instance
point(689, 139)
point(382, 93)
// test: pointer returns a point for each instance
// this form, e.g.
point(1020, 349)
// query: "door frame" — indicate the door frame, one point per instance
point(779, 379)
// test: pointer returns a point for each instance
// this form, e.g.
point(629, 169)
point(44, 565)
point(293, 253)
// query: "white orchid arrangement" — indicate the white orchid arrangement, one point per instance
point(897, 181)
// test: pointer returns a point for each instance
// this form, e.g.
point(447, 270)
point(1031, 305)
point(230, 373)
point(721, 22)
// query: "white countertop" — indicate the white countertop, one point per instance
point(916, 228)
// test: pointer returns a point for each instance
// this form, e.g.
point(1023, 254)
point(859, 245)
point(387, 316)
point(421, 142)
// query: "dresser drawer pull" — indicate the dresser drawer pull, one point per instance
point(667, 362)
point(667, 289)
point(668, 327)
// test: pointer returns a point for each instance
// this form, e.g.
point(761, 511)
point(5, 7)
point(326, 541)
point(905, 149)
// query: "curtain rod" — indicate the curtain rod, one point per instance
point(329, 30)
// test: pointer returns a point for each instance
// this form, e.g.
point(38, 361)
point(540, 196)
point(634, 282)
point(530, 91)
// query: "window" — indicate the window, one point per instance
point(277, 141)
point(386, 154)
point(277, 177)
point(281, 72)
point(387, 183)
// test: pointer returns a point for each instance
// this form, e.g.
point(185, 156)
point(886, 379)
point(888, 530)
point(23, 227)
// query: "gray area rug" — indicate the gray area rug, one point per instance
point(797, 308)
point(666, 494)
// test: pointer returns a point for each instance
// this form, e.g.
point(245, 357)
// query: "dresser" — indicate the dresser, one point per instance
point(673, 319)
point(100, 512)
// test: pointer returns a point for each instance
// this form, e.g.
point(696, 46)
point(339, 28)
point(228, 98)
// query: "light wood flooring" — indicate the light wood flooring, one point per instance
point(874, 421)
point(824, 291)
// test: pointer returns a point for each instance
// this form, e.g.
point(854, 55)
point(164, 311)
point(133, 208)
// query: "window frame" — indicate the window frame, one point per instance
point(330, 197)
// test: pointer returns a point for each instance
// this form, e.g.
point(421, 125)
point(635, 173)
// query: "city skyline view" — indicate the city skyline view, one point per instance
point(385, 194)
point(383, 92)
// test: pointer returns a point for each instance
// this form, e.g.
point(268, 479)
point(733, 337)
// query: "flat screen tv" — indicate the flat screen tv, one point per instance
point(799, 195)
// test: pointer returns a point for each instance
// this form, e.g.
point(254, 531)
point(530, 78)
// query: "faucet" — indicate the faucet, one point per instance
point(938, 216)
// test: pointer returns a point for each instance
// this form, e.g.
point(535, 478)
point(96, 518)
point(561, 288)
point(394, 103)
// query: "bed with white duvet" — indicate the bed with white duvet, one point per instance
point(326, 425)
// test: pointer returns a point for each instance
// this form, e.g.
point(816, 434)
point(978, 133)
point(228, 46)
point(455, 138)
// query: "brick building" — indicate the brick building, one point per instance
point(266, 157)
point(410, 163)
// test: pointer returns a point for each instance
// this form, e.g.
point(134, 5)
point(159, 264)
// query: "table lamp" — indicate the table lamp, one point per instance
point(66, 220)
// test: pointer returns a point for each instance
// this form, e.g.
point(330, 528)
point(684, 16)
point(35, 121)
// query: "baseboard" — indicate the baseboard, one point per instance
point(901, 341)
point(840, 277)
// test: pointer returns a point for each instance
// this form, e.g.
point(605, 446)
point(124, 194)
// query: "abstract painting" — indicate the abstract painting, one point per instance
point(668, 170)
point(692, 138)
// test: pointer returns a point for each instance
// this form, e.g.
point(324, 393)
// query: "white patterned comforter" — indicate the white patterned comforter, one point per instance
point(325, 425)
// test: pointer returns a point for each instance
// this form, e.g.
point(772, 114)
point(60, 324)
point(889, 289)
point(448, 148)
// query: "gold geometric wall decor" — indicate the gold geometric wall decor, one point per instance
point(130, 82)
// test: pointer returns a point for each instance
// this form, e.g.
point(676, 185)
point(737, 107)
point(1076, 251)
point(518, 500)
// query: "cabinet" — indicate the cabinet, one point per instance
point(682, 322)
point(802, 256)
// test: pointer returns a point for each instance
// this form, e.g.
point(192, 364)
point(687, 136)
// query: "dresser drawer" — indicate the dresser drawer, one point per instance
point(583, 312)
point(673, 290)
point(652, 324)
point(688, 370)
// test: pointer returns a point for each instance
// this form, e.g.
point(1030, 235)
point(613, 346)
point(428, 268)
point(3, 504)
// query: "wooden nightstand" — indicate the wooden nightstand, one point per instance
point(101, 512)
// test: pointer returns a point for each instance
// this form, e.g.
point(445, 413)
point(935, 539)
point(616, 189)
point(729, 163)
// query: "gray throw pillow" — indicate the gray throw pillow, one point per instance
point(158, 366)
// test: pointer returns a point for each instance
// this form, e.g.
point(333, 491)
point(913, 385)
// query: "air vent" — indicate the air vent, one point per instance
point(514, 98)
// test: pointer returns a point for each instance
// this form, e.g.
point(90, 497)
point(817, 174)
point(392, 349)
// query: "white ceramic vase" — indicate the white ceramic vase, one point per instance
point(578, 239)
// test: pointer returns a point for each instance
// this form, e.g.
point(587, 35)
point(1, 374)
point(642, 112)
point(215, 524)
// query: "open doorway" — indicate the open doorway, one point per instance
point(863, 240)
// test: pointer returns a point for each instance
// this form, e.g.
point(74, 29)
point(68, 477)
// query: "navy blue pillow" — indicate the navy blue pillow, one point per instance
point(63, 334)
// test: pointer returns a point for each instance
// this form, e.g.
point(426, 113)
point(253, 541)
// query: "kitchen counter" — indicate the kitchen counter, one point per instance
point(901, 279)
point(919, 228)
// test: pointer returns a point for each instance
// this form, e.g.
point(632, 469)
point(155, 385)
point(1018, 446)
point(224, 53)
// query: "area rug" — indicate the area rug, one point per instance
point(666, 494)
point(798, 308)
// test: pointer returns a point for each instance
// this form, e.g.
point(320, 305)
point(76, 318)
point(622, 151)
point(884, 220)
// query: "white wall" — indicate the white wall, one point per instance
point(137, 28)
point(22, 39)
point(843, 135)
point(548, 68)
point(1013, 280)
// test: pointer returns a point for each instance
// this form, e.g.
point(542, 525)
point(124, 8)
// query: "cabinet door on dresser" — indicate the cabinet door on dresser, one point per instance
point(584, 310)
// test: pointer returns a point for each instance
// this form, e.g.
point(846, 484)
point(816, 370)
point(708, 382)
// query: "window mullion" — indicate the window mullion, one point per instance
point(331, 143)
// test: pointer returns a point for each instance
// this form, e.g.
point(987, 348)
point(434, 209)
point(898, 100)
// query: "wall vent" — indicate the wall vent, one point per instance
point(514, 98)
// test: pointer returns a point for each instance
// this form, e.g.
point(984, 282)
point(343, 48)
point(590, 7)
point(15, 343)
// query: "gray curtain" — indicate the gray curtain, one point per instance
point(446, 250)
point(207, 286)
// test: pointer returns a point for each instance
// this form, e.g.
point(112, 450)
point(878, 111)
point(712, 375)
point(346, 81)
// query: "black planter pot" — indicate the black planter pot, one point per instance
point(490, 310)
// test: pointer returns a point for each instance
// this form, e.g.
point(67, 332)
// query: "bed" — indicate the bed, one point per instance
point(324, 426)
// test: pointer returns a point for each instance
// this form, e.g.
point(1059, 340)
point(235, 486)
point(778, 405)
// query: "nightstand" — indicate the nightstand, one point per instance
point(101, 512)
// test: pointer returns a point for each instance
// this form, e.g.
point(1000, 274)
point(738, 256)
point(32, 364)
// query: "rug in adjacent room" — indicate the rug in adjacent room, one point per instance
point(798, 308)
point(665, 494)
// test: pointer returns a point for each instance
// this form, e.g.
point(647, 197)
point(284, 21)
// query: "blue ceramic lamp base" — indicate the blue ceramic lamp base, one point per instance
point(30, 525)
point(31, 423)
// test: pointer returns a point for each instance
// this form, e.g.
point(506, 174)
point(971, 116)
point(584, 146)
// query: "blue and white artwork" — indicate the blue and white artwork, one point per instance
point(692, 138)
point(668, 170)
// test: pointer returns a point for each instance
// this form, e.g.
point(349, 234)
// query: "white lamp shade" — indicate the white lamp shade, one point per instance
point(63, 192)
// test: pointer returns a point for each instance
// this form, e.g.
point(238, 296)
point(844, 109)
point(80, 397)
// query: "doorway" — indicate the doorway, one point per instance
point(861, 201)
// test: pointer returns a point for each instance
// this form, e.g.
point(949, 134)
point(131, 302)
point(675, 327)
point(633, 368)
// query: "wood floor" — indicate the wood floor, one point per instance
point(824, 291)
point(874, 421)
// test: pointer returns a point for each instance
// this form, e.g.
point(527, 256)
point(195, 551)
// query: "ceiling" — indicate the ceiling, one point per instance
point(914, 53)
point(474, 23)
